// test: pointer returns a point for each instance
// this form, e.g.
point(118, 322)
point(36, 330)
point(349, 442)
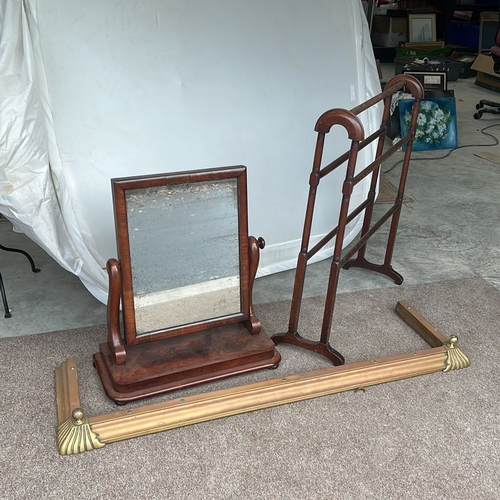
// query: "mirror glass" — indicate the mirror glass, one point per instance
point(184, 253)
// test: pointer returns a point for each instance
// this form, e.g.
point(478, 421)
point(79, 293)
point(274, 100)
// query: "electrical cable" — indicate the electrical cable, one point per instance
point(454, 149)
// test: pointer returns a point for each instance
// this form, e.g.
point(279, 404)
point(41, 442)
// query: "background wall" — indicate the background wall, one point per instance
point(136, 87)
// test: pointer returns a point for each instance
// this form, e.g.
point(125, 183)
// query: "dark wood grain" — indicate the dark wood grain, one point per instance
point(170, 364)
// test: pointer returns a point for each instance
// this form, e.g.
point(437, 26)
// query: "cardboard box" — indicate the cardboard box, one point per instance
point(381, 10)
point(388, 31)
point(486, 76)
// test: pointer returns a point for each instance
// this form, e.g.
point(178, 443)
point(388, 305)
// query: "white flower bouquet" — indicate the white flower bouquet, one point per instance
point(432, 122)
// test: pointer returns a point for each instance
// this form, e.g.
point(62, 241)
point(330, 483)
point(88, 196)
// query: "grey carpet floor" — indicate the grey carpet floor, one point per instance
point(435, 436)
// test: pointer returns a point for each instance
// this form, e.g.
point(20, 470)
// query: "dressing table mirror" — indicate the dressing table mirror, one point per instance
point(180, 293)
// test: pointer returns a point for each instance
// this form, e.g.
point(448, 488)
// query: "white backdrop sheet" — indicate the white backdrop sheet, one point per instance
point(95, 90)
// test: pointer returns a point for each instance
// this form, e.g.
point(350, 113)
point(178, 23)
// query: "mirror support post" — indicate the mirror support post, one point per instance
point(254, 247)
point(115, 341)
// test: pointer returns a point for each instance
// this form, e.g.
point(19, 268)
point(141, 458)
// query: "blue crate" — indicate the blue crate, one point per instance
point(463, 34)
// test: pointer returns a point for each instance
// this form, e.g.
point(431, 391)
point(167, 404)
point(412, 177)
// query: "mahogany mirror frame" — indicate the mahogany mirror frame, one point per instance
point(120, 187)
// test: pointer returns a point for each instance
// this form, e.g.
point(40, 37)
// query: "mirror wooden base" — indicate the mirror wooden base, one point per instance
point(166, 365)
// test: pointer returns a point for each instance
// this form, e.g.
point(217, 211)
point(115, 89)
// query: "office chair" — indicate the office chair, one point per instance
point(485, 106)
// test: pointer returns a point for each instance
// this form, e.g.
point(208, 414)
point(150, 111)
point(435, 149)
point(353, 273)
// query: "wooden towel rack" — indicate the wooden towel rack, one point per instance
point(355, 130)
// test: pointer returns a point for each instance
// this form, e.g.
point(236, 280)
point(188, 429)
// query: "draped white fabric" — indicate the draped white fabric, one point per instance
point(94, 90)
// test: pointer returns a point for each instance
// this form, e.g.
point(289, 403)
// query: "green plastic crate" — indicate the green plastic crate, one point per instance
point(413, 52)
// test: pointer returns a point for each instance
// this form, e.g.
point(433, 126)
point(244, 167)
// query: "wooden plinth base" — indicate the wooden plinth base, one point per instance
point(162, 366)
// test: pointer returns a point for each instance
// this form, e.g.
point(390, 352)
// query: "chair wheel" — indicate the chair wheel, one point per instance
point(478, 106)
point(477, 116)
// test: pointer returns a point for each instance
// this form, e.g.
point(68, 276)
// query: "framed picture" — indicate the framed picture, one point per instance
point(422, 27)
point(436, 124)
point(431, 81)
point(488, 26)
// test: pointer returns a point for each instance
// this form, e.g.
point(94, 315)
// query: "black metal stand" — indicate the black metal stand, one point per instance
point(2, 288)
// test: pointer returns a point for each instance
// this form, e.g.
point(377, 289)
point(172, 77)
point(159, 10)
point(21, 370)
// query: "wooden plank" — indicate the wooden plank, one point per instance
point(430, 334)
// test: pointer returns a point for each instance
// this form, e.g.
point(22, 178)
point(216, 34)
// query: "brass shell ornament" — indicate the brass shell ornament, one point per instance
point(456, 359)
point(75, 435)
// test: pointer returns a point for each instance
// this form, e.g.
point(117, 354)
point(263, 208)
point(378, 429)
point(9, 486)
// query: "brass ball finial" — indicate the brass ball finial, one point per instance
point(77, 415)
